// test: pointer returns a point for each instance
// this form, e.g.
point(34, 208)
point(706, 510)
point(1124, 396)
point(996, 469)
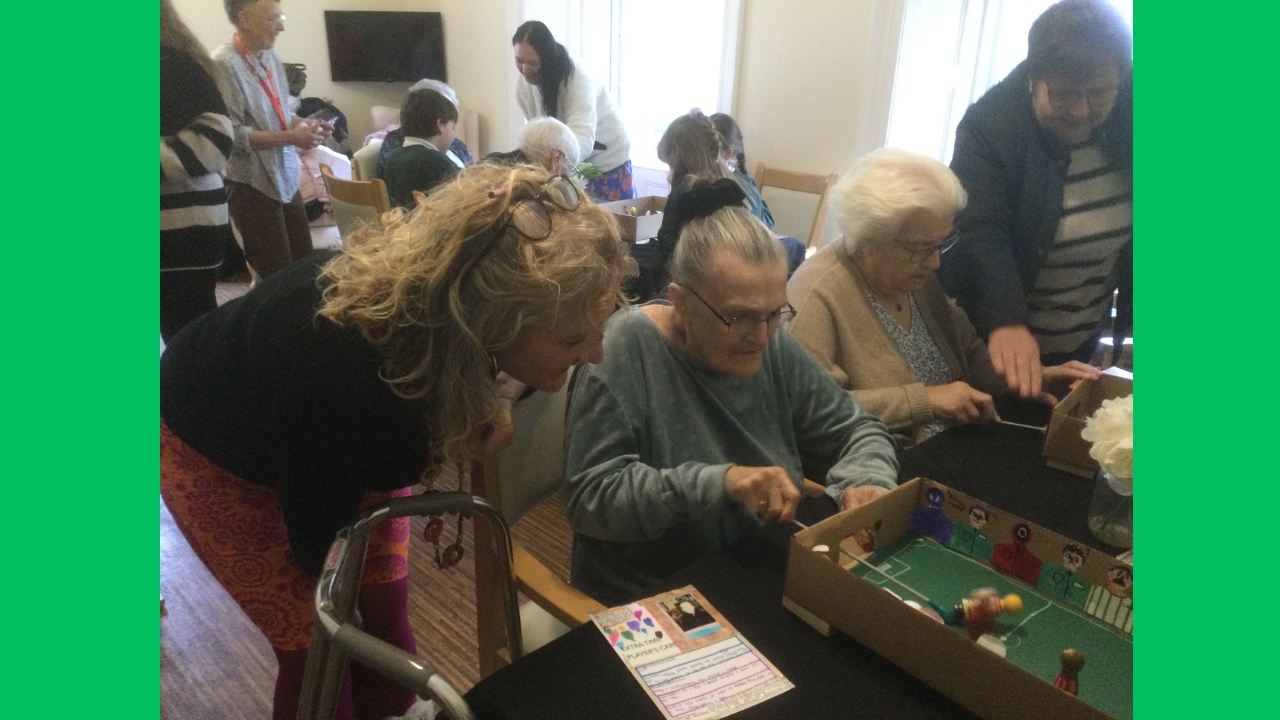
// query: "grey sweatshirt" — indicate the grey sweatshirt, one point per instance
point(652, 432)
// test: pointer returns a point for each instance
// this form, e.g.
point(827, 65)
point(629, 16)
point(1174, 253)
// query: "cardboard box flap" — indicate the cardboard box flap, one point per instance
point(1063, 447)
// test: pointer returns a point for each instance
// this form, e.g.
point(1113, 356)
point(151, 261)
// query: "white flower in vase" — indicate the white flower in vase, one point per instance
point(1110, 429)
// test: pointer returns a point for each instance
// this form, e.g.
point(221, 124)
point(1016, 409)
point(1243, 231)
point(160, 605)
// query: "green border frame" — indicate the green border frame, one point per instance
point(80, 401)
point(1203, 193)
point(79, 443)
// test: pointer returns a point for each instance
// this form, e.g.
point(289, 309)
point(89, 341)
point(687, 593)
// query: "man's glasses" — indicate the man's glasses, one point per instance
point(747, 324)
point(1063, 99)
point(920, 253)
point(531, 219)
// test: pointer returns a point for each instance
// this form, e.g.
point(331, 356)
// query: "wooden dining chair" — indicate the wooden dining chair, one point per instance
point(364, 163)
point(515, 480)
point(355, 202)
point(797, 200)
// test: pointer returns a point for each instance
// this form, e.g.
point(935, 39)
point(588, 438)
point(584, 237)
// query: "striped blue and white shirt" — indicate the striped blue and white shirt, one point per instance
point(1071, 300)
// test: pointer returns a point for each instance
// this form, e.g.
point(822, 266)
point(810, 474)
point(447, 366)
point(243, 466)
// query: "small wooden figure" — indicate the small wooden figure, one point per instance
point(979, 611)
point(1068, 679)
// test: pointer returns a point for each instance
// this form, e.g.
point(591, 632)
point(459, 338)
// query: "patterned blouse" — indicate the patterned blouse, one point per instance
point(921, 351)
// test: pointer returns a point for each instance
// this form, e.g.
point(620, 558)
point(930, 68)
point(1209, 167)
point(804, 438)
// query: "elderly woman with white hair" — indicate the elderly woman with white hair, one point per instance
point(543, 141)
point(871, 311)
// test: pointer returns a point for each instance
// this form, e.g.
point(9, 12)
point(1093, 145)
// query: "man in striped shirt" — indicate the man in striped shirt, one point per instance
point(1047, 159)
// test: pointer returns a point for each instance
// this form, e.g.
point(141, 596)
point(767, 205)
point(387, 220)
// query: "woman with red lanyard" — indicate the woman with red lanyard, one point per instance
point(262, 174)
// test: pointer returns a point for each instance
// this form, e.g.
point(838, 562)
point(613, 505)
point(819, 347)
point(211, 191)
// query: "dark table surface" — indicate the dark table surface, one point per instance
point(579, 675)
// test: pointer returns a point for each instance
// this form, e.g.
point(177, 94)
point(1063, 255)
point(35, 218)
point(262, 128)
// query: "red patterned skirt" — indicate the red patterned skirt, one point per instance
point(237, 529)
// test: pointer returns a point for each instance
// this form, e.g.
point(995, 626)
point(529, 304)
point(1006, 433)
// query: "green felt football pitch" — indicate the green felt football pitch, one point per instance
point(1035, 638)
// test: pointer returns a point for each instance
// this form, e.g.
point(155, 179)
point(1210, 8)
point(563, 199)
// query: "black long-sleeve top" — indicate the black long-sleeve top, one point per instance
point(270, 391)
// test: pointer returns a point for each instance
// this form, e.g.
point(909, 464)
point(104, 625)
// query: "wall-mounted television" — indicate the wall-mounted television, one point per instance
point(377, 46)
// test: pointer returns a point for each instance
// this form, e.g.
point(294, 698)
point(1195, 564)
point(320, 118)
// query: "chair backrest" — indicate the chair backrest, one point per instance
point(531, 469)
point(355, 202)
point(516, 479)
point(364, 164)
point(384, 115)
point(798, 201)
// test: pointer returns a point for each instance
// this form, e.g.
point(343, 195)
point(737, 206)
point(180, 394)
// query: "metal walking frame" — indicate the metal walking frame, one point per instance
point(334, 638)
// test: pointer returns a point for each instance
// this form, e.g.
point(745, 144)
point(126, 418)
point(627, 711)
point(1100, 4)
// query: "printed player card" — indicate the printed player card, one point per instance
point(689, 659)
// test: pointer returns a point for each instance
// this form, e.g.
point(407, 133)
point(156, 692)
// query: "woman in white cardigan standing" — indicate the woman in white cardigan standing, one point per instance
point(553, 87)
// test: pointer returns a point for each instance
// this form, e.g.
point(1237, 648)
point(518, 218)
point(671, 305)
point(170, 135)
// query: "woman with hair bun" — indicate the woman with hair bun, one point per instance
point(552, 86)
point(336, 382)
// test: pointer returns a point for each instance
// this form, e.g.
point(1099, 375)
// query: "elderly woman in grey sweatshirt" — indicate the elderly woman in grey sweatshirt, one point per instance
point(704, 417)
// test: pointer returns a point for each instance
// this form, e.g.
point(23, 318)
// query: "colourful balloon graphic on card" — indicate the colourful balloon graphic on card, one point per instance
point(636, 635)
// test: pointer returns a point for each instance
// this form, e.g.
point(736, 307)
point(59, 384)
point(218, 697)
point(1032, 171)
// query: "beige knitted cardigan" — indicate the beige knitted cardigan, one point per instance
point(835, 322)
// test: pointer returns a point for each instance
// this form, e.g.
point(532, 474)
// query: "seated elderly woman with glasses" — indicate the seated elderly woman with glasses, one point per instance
point(871, 311)
point(704, 418)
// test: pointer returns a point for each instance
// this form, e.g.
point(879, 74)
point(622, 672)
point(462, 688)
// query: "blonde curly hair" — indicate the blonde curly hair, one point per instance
point(437, 294)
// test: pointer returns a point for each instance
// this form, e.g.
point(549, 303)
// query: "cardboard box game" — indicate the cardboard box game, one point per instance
point(639, 226)
point(1078, 598)
point(1064, 449)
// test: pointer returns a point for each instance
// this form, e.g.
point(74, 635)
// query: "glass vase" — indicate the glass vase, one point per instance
point(1111, 511)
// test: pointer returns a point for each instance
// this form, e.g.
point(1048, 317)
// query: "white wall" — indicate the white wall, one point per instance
point(477, 56)
point(815, 81)
point(811, 92)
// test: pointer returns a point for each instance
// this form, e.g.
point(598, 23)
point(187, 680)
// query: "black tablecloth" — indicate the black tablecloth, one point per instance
point(579, 675)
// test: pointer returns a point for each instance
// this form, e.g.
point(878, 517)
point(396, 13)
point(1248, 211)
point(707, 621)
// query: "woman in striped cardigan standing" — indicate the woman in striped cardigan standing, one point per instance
point(195, 141)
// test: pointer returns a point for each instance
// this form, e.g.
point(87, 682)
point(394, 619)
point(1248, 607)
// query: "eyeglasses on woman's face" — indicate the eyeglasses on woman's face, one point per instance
point(747, 323)
point(919, 252)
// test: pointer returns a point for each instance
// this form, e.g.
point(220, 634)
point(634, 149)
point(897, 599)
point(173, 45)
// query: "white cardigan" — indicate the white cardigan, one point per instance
point(585, 106)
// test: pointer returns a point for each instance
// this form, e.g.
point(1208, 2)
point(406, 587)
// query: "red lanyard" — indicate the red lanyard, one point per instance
point(268, 85)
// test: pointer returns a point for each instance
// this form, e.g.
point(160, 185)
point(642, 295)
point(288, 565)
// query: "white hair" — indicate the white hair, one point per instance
point(540, 136)
point(875, 198)
point(429, 84)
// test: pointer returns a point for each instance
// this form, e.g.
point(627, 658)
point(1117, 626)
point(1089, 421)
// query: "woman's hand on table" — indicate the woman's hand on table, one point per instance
point(959, 403)
point(859, 496)
point(766, 492)
point(1070, 371)
point(1015, 354)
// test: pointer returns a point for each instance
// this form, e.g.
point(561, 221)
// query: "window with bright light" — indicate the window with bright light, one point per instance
point(667, 66)
point(659, 58)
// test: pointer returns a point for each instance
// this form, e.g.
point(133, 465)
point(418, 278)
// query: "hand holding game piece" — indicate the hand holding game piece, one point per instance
point(1068, 679)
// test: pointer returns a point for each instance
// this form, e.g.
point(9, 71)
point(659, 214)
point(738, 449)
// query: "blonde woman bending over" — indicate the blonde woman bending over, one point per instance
point(336, 382)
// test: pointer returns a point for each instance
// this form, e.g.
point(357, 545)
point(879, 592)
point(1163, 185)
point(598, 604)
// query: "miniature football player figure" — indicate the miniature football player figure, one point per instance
point(1016, 558)
point(971, 540)
point(1114, 603)
point(931, 521)
point(1064, 580)
point(1068, 679)
point(979, 611)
